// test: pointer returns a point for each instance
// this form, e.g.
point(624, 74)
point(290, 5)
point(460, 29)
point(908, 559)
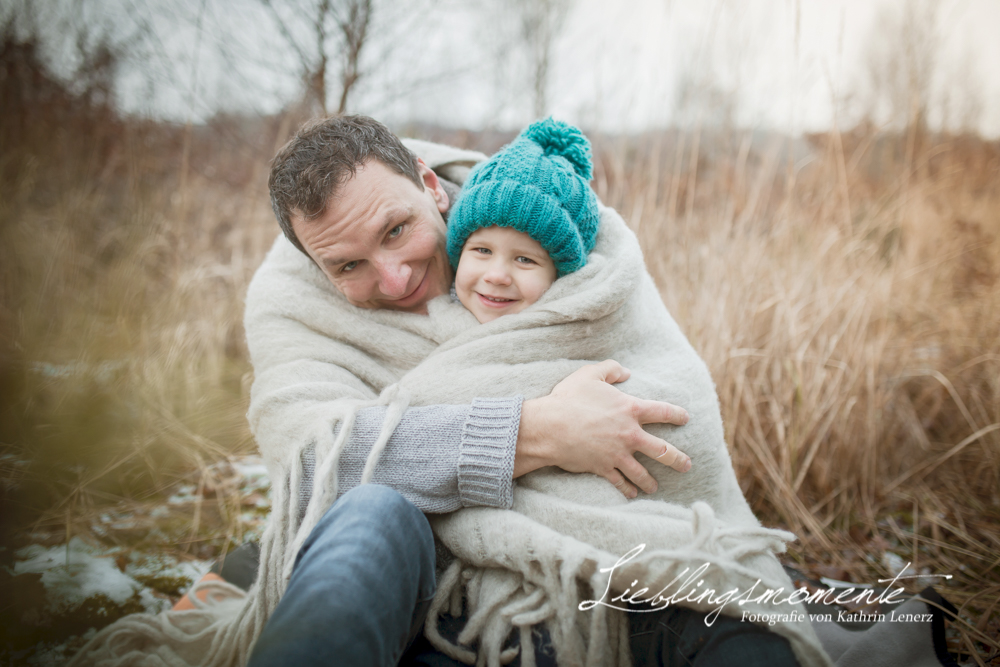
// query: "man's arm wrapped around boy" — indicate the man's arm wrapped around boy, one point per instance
point(315, 356)
point(306, 365)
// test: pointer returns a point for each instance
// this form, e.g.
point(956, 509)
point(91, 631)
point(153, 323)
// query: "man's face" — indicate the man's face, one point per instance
point(381, 240)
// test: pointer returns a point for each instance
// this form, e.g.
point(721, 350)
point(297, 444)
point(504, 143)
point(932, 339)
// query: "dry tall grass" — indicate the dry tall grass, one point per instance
point(845, 298)
point(125, 251)
point(843, 291)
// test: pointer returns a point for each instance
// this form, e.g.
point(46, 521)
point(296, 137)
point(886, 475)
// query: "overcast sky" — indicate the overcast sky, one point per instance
point(785, 64)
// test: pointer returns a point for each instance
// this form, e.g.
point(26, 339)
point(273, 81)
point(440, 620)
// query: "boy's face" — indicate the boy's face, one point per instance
point(502, 271)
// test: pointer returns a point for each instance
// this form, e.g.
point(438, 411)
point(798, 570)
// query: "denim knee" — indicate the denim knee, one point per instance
point(376, 498)
point(400, 526)
point(360, 588)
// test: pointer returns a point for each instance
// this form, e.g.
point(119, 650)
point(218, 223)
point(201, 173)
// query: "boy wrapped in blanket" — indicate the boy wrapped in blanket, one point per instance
point(525, 218)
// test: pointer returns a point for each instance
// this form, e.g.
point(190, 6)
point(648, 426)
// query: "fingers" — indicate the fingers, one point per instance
point(637, 474)
point(621, 484)
point(659, 412)
point(609, 371)
point(664, 452)
point(675, 458)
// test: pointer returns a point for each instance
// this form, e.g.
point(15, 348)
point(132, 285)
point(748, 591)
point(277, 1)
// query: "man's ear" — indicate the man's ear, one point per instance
point(433, 184)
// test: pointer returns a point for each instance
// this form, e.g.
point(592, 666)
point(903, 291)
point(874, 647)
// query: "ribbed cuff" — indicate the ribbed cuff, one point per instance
point(486, 460)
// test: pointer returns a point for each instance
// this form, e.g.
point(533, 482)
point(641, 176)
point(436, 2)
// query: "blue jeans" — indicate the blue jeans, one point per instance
point(364, 579)
point(360, 588)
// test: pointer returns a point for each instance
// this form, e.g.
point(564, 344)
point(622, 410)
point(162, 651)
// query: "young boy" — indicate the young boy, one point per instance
point(524, 217)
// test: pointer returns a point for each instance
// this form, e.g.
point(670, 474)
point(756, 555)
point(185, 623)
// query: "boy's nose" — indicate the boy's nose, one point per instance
point(497, 275)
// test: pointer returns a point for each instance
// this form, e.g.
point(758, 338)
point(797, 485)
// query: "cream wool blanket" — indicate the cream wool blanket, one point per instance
point(521, 566)
point(318, 360)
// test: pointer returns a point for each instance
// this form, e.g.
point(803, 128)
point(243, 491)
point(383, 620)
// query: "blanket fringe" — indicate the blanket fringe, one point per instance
point(514, 603)
point(498, 601)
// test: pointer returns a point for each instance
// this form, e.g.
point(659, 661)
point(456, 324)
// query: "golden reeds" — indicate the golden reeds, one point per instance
point(850, 313)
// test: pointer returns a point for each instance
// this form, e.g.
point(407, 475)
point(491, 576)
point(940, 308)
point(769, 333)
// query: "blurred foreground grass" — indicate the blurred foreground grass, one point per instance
point(842, 288)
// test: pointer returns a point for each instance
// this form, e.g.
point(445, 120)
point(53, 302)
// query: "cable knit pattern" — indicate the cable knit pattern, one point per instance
point(537, 184)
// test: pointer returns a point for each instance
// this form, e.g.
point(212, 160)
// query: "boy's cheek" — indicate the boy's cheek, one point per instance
point(462, 285)
point(464, 277)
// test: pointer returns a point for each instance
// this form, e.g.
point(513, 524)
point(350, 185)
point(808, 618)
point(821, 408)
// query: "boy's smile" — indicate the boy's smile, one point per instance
point(502, 271)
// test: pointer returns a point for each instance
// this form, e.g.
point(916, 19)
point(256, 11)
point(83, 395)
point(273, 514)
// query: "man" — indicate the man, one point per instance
point(371, 217)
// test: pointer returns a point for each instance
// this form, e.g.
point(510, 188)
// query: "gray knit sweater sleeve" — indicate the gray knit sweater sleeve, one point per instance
point(440, 457)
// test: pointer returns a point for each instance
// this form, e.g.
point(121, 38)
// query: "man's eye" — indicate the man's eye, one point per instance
point(350, 266)
point(395, 231)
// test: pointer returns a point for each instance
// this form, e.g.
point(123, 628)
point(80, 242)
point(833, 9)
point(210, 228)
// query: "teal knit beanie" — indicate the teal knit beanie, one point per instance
point(537, 184)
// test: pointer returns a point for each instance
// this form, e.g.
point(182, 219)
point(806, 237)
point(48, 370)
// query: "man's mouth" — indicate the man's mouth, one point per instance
point(415, 294)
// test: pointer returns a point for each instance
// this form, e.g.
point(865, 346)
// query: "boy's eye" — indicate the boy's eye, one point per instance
point(524, 260)
point(395, 231)
point(483, 251)
point(350, 266)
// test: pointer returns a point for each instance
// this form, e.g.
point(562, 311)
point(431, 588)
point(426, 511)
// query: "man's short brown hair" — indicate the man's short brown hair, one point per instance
point(322, 156)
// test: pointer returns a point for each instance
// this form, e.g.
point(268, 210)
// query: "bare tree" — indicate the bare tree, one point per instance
point(900, 64)
point(541, 23)
point(319, 31)
point(353, 28)
point(524, 34)
point(76, 42)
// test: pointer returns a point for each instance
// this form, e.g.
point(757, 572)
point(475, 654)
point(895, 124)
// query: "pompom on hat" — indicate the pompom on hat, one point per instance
point(538, 184)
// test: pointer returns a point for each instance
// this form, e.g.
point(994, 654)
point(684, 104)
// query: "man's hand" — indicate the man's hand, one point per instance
point(586, 425)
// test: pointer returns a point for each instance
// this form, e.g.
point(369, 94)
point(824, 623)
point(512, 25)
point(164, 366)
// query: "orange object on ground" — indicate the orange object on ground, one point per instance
point(185, 602)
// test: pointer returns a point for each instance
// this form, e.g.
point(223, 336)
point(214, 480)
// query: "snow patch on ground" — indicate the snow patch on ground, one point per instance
point(76, 572)
point(88, 586)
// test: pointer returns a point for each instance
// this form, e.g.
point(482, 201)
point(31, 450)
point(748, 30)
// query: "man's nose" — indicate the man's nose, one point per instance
point(394, 277)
